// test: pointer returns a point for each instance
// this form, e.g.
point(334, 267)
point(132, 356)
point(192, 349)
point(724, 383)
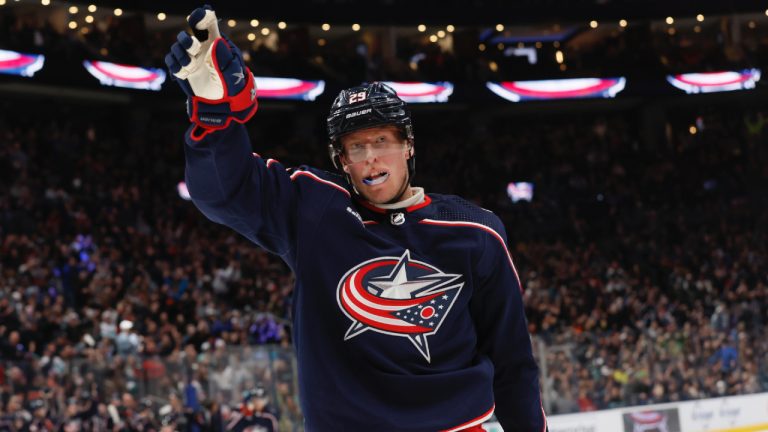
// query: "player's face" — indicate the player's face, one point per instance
point(376, 161)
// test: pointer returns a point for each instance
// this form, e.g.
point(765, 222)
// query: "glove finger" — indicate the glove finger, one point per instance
point(185, 40)
point(172, 63)
point(180, 54)
point(175, 67)
point(197, 15)
point(189, 43)
point(206, 29)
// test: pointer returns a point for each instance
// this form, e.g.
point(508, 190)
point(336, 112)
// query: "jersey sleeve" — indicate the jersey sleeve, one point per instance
point(499, 315)
point(233, 186)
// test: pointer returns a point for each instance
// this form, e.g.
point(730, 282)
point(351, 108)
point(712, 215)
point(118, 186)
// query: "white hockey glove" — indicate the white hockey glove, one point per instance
point(210, 70)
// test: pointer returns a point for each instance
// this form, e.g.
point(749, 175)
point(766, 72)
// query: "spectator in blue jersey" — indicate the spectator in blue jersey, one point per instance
point(407, 307)
point(254, 413)
point(726, 356)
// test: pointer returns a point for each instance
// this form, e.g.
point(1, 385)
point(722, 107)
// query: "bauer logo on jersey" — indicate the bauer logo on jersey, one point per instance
point(398, 296)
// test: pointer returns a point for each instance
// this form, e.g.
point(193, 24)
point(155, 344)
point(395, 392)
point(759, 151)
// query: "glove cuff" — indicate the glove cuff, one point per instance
point(210, 115)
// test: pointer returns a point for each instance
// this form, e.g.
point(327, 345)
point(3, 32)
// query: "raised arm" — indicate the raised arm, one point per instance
point(226, 180)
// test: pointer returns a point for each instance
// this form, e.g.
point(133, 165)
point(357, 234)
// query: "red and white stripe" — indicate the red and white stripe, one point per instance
point(13, 60)
point(485, 228)
point(124, 72)
point(474, 422)
point(704, 79)
point(314, 177)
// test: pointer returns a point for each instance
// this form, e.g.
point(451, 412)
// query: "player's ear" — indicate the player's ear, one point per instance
point(411, 149)
point(343, 162)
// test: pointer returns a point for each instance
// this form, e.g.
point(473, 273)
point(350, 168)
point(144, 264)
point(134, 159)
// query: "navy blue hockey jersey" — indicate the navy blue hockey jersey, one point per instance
point(406, 320)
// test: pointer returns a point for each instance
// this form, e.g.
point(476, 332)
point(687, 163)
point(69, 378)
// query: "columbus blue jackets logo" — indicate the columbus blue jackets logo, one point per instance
point(398, 296)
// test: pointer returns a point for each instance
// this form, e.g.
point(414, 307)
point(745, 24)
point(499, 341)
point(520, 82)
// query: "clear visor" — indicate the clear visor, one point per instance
point(358, 153)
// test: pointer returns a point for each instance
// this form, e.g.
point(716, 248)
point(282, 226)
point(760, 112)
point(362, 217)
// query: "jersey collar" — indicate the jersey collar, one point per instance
point(427, 201)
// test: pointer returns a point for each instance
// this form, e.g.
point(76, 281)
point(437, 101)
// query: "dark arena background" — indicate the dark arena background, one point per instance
point(623, 143)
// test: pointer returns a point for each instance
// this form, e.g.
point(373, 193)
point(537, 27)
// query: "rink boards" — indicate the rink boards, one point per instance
point(748, 413)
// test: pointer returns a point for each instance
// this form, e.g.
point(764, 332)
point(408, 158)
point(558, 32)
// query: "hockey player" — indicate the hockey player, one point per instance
point(408, 312)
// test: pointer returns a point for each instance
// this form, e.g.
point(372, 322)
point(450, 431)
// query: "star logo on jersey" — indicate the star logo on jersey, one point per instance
point(398, 296)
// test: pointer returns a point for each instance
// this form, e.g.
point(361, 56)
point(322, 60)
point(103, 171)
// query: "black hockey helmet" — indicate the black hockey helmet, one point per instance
point(366, 106)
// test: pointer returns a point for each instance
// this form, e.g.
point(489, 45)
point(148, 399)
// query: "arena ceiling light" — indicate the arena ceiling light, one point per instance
point(125, 76)
point(712, 82)
point(16, 63)
point(573, 88)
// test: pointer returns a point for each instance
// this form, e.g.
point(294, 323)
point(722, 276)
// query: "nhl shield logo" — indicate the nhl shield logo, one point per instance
point(397, 296)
